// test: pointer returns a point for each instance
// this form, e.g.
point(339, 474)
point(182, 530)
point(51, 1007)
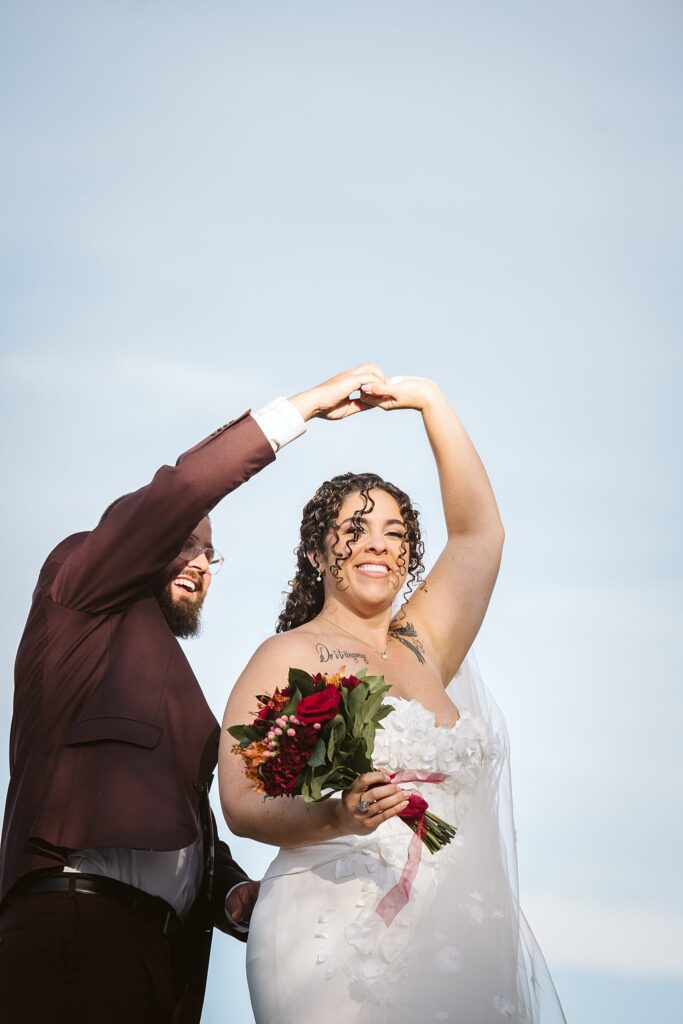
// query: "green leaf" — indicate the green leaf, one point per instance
point(369, 737)
point(356, 699)
point(337, 780)
point(372, 706)
point(246, 734)
point(345, 694)
point(315, 789)
point(317, 755)
point(337, 734)
point(290, 707)
point(302, 681)
point(322, 774)
point(360, 762)
point(373, 682)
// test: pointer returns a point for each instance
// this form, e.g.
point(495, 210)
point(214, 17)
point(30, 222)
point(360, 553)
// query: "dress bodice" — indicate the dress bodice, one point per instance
point(410, 738)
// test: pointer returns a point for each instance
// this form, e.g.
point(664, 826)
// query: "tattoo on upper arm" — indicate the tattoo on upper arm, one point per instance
point(326, 653)
point(407, 635)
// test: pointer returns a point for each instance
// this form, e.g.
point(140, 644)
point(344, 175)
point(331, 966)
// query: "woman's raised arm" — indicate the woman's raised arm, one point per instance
point(449, 608)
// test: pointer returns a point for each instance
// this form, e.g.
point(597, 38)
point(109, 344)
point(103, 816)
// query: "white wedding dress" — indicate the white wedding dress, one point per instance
point(460, 951)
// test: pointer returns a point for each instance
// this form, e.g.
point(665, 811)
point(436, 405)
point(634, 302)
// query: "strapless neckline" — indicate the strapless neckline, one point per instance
point(391, 698)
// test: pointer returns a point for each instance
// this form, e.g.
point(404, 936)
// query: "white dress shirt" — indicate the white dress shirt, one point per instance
point(281, 422)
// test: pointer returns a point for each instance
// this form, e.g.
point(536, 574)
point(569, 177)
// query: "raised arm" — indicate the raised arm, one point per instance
point(448, 611)
point(287, 821)
point(147, 529)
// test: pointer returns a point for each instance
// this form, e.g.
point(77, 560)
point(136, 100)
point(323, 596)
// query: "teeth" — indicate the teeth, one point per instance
point(373, 570)
point(187, 584)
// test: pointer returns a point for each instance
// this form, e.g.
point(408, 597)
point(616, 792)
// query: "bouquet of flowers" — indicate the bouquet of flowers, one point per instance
point(317, 734)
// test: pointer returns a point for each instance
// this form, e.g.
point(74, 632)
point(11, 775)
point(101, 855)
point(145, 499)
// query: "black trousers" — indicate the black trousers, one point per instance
point(81, 959)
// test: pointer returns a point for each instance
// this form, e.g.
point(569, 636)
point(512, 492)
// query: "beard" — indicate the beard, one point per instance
point(183, 615)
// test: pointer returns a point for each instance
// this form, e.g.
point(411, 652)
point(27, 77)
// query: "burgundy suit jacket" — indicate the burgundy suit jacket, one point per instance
point(112, 741)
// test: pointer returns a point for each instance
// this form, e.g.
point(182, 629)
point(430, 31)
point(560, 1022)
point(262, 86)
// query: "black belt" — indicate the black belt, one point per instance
point(152, 908)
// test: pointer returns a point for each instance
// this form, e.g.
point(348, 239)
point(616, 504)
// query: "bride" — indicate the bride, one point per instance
point(459, 950)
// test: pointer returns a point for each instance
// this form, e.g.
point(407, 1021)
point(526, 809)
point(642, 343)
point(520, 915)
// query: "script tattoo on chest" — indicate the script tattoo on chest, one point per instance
point(407, 635)
point(326, 653)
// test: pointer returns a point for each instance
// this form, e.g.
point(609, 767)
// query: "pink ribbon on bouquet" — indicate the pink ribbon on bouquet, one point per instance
point(396, 898)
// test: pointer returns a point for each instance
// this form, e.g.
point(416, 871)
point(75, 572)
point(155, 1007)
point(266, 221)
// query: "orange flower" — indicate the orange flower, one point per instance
point(253, 757)
point(334, 680)
point(272, 706)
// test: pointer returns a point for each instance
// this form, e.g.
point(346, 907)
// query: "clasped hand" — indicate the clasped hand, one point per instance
point(332, 400)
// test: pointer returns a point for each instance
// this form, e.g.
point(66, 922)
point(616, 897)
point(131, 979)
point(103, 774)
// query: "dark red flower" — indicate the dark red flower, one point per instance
point(281, 774)
point(416, 808)
point(272, 706)
point(350, 682)
point(319, 707)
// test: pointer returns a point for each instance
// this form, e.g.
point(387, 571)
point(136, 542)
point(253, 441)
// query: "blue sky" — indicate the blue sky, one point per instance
point(207, 205)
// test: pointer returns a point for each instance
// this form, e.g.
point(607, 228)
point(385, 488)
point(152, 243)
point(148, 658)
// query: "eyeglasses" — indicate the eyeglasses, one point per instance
point(213, 557)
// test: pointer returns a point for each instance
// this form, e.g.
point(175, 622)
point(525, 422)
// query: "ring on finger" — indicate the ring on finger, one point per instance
point(363, 806)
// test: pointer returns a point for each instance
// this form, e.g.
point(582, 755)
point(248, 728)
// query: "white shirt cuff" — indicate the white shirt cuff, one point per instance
point(239, 926)
point(281, 422)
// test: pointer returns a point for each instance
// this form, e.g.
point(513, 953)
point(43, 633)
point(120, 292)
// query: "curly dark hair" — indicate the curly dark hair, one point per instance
point(307, 594)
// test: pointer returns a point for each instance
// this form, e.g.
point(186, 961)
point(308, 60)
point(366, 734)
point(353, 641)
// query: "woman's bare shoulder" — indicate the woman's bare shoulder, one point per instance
point(267, 668)
point(281, 646)
point(304, 647)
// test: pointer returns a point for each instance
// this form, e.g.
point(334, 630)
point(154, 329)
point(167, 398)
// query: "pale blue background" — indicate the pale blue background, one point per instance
point(207, 204)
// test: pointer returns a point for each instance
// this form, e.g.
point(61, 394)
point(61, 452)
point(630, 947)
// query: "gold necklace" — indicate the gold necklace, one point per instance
point(380, 654)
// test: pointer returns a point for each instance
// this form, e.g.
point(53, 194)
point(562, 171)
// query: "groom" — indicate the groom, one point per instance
point(111, 872)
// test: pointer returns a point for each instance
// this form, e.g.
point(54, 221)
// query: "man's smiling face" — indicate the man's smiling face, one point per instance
point(182, 598)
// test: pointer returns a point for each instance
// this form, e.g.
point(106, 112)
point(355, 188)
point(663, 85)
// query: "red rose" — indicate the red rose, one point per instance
point(319, 707)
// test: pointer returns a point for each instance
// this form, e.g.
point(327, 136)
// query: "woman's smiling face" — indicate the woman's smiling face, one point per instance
point(370, 548)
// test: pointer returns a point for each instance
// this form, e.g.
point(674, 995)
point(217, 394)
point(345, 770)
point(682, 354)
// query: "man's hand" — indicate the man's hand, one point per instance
point(330, 400)
point(240, 901)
